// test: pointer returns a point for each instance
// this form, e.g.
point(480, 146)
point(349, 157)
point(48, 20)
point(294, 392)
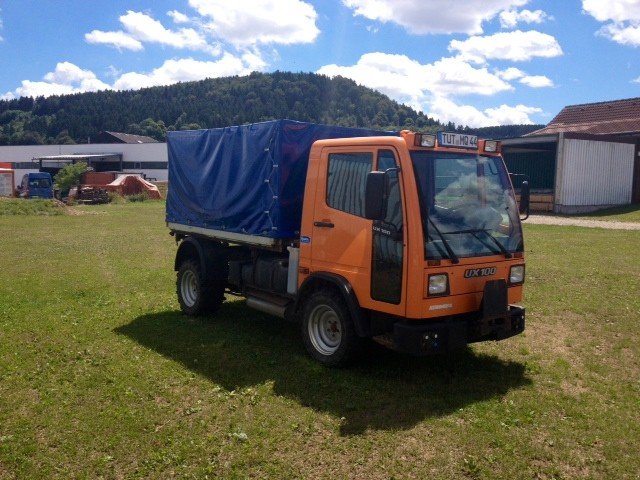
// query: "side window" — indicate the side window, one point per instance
point(386, 161)
point(346, 182)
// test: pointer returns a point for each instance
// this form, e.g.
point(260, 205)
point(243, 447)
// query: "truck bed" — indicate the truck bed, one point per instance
point(244, 183)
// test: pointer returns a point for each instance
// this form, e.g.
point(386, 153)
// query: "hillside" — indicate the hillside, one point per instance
point(502, 131)
point(204, 104)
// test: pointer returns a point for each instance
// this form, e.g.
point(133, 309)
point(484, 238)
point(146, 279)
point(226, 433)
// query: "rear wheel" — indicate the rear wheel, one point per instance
point(199, 294)
point(327, 329)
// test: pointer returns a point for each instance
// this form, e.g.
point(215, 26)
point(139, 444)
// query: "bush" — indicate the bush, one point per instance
point(115, 198)
point(138, 197)
point(69, 176)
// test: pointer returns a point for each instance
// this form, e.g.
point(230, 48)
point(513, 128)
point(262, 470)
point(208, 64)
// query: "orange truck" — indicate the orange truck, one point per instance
point(412, 240)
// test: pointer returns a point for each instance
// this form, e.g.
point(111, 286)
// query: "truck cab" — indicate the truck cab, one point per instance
point(36, 185)
point(412, 240)
point(426, 233)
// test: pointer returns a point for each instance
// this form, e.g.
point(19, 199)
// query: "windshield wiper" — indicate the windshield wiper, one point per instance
point(473, 232)
point(454, 258)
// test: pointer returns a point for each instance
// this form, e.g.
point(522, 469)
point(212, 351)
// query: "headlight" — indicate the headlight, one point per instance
point(425, 140)
point(516, 275)
point(491, 146)
point(438, 284)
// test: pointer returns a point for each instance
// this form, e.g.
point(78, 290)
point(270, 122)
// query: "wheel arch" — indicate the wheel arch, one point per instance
point(190, 248)
point(341, 285)
point(203, 251)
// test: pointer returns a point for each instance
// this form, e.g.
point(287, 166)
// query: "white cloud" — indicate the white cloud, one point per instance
point(453, 76)
point(252, 22)
point(637, 80)
point(613, 10)
point(37, 89)
point(119, 40)
point(624, 18)
point(533, 81)
point(435, 16)
point(146, 29)
point(141, 28)
point(506, 115)
point(446, 110)
point(510, 73)
point(624, 35)
point(537, 81)
point(178, 17)
point(67, 78)
point(183, 70)
point(410, 82)
point(432, 88)
point(511, 18)
point(516, 46)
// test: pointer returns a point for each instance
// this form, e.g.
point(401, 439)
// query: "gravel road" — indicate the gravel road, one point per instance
point(581, 222)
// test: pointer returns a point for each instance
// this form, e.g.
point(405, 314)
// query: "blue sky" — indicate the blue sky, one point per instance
point(473, 62)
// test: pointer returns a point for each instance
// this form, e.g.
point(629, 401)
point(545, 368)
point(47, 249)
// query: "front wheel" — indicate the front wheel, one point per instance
point(327, 329)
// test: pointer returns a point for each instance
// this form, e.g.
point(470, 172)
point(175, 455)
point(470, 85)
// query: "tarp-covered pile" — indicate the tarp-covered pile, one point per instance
point(123, 184)
point(245, 179)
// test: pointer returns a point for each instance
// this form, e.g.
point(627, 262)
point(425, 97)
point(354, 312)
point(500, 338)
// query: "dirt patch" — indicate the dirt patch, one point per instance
point(559, 338)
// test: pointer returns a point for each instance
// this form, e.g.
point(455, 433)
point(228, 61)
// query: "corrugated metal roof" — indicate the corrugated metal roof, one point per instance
point(130, 138)
point(604, 118)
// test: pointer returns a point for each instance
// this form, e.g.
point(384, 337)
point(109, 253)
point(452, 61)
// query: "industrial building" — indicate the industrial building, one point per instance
point(149, 159)
point(587, 158)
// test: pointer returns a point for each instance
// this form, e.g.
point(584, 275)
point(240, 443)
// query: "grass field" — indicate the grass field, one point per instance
point(101, 377)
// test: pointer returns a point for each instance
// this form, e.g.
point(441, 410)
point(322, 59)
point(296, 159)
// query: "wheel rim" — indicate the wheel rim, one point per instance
point(189, 288)
point(325, 330)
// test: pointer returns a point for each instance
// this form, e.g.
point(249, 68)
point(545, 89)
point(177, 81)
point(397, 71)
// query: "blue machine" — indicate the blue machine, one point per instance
point(36, 185)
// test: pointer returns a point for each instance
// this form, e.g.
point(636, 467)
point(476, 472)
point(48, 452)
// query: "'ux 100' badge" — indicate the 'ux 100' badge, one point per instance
point(480, 272)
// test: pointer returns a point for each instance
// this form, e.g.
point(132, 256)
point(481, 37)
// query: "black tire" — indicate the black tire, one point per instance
point(198, 295)
point(327, 329)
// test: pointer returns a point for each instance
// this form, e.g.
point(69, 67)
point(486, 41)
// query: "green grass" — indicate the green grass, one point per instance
point(101, 376)
point(35, 206)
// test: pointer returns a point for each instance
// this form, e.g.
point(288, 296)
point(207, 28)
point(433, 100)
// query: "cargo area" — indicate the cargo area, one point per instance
point(247, 179)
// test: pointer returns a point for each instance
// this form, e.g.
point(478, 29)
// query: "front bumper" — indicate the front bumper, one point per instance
point(429, 337)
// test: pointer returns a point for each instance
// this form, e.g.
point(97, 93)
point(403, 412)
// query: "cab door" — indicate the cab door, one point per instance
point(347, 244)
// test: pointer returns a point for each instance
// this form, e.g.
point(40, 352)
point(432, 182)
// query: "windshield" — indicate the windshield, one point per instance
point(39, 183)
point(468, 207)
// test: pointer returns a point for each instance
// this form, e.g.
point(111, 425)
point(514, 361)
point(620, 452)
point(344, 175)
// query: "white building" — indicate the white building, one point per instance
point(147, 158)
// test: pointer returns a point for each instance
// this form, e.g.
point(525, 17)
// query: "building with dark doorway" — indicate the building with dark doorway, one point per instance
point(587, 158)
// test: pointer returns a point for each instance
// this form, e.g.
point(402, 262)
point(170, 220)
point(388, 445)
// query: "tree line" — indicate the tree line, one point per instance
point(210, 103)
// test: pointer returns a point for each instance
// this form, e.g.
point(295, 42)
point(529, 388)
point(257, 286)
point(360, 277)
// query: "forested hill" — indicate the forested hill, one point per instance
point(216, 103)
point(502, 131)
point(204, 104)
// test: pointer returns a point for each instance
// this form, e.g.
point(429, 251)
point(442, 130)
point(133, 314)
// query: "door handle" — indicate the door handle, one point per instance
point(323, 224)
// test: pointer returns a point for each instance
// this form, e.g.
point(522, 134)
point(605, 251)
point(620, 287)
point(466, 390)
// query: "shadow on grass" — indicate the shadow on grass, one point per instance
point(625, 209)
point(384, 390)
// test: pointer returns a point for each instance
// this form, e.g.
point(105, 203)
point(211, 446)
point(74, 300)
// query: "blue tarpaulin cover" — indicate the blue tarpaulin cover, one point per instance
point(246, 179)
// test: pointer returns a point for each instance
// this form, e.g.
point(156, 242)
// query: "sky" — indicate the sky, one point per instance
point(471, 62)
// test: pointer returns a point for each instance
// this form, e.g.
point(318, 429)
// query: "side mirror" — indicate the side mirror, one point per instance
point(525, 200)
point(375, 195)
